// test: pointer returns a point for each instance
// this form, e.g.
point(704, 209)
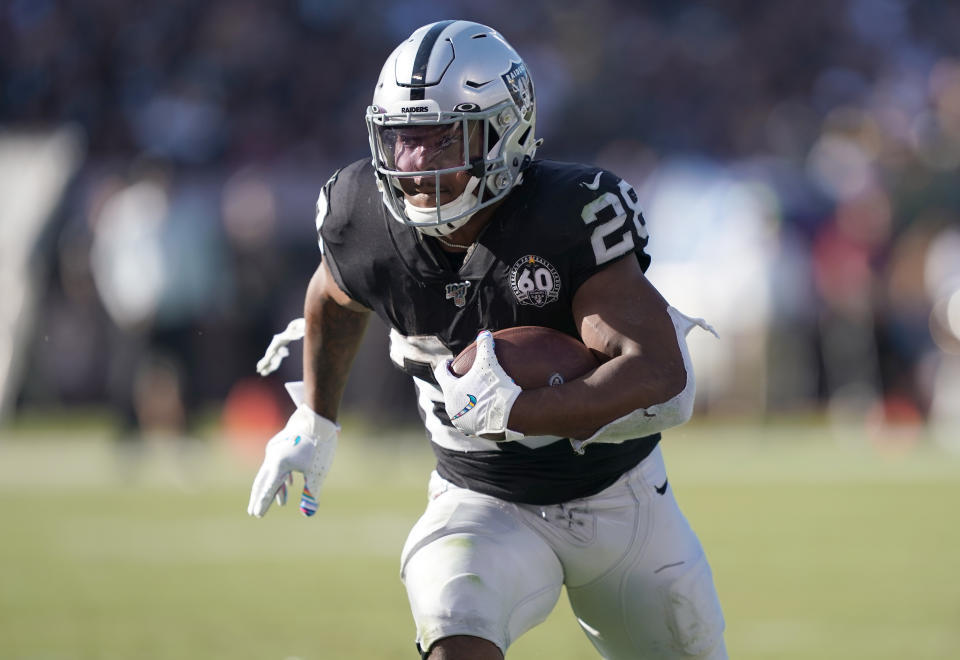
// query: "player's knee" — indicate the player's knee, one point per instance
point(464, 647)
point(470, 586)
point(454, 611)
point(694, 615)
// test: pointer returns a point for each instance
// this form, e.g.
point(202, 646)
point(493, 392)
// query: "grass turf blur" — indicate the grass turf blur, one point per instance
point(819, 549)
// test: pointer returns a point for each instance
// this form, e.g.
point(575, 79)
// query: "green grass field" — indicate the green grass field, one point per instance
point(821, 549)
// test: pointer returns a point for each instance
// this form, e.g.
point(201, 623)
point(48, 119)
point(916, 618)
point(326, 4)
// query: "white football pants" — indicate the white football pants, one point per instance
point(635, 572)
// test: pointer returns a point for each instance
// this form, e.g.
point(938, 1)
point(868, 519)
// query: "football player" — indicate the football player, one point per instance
point(453, 228)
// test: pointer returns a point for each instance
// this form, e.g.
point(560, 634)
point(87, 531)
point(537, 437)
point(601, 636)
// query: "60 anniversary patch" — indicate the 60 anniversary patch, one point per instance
point(534, 281)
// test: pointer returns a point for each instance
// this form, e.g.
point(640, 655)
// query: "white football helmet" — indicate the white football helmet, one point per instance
point(460, 84)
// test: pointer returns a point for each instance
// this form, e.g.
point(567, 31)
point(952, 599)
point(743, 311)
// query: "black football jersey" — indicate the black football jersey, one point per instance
point(556, 229)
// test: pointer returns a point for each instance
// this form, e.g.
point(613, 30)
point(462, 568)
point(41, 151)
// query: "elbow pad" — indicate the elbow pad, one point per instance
point(653, 419)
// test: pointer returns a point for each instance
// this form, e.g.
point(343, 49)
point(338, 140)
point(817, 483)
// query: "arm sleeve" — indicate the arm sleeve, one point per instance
point(674, 412)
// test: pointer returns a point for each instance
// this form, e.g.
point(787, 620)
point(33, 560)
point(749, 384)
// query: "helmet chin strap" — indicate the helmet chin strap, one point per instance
point(454, 207)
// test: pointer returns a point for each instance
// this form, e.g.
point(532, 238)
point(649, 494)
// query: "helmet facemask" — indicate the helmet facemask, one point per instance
point(447, 143)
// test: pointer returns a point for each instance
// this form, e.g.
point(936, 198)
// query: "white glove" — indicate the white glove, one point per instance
point(306, 444)
point(277, 350)
point(479, 402)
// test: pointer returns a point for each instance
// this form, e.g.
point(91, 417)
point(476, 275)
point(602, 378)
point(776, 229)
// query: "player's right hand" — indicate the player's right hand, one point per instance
point(479, 402)
point(306, 444)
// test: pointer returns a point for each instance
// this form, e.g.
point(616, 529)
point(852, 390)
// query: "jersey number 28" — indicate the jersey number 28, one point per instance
point(606, 205)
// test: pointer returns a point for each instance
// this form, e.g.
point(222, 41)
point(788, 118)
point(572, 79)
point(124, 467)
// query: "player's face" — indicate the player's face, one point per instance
point(420, 148)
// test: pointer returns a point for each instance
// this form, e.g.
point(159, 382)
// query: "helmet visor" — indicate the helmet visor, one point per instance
point(413, 148)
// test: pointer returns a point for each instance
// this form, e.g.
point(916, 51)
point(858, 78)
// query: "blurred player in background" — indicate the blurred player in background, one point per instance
point(134, 258)
point(454, 228)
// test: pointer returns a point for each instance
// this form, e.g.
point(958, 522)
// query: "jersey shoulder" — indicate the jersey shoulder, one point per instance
point(345, 199)
point(586, 206)
point(349, 224)
point(573, 185)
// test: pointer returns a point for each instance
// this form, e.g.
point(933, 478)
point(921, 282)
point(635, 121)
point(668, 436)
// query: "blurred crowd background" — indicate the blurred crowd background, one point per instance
point(797, 163)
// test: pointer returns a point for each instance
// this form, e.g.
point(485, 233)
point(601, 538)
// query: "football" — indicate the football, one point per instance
point(534, 356)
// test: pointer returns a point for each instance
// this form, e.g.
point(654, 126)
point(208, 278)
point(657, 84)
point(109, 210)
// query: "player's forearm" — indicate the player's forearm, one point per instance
point(616, 388)
point(333, 336)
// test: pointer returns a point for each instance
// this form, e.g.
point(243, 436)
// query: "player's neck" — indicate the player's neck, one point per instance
point(464, 237)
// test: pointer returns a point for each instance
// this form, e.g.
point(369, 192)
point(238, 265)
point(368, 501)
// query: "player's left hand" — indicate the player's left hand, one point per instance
point(479, 402)
point(306, 444)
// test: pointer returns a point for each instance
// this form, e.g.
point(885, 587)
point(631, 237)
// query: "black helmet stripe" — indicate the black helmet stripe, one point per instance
point(419, 73)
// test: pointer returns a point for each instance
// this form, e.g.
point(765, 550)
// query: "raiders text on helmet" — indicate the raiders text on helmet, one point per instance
point(471, 96)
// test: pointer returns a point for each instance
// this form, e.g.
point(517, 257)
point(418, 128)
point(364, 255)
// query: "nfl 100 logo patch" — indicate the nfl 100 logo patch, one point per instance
point(457, 291)
point(535, 281)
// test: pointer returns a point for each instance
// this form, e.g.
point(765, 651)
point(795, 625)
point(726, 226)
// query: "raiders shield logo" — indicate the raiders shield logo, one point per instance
point(535, 281)
point(521, 88)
